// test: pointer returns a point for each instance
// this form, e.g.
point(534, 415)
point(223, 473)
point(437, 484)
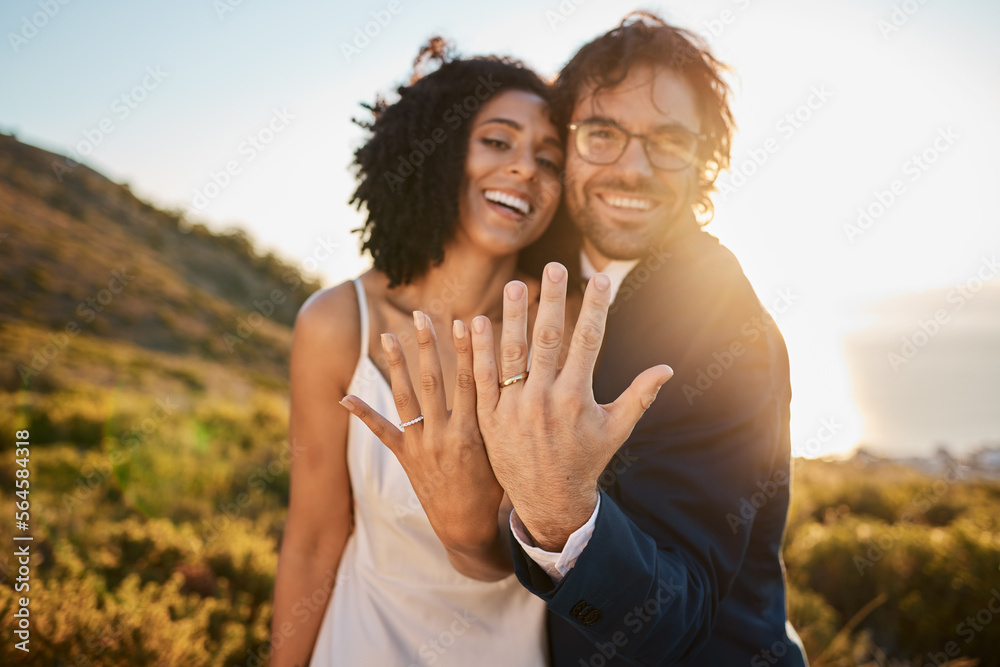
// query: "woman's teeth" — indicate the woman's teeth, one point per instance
point(522, 206)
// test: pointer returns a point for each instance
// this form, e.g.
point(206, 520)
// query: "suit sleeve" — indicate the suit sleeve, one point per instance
point(674, 523)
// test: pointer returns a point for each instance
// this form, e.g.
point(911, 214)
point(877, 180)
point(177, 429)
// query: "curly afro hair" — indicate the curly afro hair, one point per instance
point(643, 38)
point(411, 167)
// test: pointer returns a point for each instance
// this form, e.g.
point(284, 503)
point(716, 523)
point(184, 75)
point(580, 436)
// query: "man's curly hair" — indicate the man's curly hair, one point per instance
point(644, 38)
point(410, 169)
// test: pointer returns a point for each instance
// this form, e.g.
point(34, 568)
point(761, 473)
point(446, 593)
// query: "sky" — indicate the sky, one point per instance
point(863, 169)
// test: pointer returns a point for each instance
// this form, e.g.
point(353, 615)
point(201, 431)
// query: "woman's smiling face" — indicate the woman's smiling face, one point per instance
point(512, 185)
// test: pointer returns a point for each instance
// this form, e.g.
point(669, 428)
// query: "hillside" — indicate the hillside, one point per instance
point(81, 256)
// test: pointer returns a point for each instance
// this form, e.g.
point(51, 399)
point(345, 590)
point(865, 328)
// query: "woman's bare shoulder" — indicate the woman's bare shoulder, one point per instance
point(330, 311)
point(328, 331)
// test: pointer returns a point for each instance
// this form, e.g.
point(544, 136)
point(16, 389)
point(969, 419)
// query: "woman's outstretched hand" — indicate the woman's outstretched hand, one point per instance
point(443, 454)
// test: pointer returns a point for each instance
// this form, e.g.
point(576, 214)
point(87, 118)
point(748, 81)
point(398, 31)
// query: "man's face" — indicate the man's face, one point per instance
point(626, 207)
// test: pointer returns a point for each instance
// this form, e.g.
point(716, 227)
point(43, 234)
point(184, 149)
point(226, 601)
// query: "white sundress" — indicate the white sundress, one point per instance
point(397, 600)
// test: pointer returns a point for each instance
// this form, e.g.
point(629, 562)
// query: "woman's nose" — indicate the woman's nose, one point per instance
point(523, 164)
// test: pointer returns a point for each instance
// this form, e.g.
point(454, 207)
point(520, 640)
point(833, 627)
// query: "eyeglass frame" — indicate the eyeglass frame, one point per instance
point(698, 137)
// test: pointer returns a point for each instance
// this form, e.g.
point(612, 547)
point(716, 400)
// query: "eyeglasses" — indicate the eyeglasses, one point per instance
point(604, 142)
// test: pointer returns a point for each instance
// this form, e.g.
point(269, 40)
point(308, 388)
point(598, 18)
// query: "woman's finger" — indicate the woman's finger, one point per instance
point(382, 428)
point(432, 396)
point(406, 401)
point(465, 384)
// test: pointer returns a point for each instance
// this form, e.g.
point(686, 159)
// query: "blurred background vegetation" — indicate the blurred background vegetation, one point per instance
point(159, 458)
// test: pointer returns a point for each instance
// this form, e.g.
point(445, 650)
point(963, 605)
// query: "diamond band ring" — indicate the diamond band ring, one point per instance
point(411, 422)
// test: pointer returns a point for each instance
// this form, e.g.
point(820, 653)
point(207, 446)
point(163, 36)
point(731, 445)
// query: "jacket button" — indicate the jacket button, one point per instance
point(592, 616)
point(579, 609)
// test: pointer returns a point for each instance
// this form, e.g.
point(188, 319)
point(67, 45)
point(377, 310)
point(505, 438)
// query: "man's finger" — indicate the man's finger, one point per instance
point(433, 402)
point(484, 366)
point(589, 334)
point(547, 336)
point(381, 427)
point(399, 376)
point(514, 334)
point(464, 405)
point(634, 401)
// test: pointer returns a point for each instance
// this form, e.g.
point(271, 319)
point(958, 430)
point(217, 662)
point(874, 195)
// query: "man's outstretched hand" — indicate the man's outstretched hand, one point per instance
point(547, 438)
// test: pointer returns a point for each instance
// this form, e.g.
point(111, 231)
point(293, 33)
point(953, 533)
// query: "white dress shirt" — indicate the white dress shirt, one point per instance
point(557, 564)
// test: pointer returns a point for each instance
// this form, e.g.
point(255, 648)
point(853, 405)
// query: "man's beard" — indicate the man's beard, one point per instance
point(616, 243)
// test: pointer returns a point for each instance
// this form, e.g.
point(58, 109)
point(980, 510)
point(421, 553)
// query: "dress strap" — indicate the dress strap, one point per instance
point(363, 307)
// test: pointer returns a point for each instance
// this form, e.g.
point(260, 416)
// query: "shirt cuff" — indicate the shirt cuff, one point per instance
point(555, 564)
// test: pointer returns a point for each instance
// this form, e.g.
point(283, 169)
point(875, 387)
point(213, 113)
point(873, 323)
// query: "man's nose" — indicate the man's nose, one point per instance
point(634, 160)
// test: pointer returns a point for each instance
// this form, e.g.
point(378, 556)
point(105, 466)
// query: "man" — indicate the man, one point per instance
point(665, 551)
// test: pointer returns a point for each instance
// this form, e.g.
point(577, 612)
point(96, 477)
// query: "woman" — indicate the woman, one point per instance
point(458, 176)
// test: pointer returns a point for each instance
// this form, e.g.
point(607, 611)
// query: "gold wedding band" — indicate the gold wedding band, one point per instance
point(517, 378)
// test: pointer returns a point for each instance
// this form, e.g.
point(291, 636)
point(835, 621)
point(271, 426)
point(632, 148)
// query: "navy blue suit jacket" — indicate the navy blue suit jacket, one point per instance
point(684, 566)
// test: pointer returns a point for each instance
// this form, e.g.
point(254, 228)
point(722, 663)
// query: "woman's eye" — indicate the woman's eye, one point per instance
point(548, 164)
point(496, 143)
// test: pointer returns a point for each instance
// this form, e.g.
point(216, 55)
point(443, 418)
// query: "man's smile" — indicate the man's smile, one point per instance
point(627, 202)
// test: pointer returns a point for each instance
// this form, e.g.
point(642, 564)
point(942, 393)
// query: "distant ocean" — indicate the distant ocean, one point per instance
point(925, 372)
